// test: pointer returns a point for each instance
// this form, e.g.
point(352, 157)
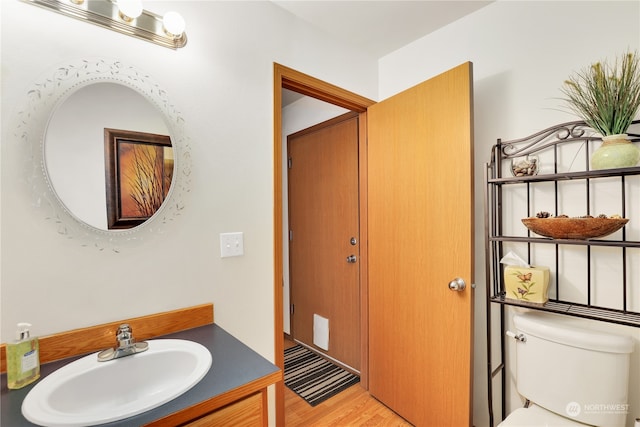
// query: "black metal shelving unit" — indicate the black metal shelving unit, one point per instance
point(552, 142)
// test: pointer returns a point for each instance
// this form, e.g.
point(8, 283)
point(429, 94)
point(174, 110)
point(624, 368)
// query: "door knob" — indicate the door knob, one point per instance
point(457, 284)
point(351, 259)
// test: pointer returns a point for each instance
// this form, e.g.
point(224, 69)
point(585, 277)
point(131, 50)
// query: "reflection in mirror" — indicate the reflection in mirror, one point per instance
point(80, 165)
point(62, 128)
point(138, 170)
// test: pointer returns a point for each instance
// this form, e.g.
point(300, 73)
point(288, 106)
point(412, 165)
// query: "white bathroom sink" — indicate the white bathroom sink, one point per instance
point(87, 392)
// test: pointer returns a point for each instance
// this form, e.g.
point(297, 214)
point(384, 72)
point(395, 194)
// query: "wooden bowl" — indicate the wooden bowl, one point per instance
point(574, 228)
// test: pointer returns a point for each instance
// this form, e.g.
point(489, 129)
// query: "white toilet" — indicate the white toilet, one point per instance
point(571, 376)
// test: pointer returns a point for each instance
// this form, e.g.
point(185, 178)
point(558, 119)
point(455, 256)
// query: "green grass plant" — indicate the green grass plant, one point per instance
point(606, 97)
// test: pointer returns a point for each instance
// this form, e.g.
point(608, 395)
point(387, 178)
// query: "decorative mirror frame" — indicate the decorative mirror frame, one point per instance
point(33, 119)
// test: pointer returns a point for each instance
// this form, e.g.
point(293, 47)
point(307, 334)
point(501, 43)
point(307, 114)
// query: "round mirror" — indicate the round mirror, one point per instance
point(110, 162)
point(108, 155)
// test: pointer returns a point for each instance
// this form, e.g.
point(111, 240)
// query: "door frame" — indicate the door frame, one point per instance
point(288, 78)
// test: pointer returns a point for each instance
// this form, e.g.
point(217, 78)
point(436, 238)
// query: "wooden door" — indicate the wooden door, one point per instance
point(420, 228)
point(324, 231)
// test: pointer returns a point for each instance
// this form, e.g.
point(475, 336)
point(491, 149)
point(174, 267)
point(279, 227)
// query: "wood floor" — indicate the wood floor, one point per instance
point(354, 407)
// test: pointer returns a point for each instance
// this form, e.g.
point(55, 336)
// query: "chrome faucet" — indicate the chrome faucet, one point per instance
point(126, 345)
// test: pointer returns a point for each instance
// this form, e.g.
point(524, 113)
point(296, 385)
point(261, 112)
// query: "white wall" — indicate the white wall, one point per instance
point(521, 51)
point(222, 83)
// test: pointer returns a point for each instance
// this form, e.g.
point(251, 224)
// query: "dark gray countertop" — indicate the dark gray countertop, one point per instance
point(234, 364)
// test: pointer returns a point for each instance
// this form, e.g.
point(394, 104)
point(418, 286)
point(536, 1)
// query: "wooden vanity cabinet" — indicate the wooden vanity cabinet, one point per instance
point(248, 412)
point(245, 406)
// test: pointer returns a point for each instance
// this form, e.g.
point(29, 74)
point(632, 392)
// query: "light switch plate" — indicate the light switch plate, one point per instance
point(231, 244)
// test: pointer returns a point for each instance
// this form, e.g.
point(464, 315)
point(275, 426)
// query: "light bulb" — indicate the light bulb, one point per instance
point(129, 9)
point(173, 24)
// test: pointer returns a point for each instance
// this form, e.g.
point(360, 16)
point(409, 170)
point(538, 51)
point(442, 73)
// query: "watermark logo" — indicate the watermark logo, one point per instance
point(573, 409)
point(606, 408)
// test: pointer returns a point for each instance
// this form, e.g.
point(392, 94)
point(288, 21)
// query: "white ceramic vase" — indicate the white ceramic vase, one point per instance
point(616, 151)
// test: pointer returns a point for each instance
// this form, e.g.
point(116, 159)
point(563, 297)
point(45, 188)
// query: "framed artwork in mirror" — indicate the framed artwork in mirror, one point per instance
point(138, 174)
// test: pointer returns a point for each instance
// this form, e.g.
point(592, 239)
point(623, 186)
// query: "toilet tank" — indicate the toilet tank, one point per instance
point(577, 373)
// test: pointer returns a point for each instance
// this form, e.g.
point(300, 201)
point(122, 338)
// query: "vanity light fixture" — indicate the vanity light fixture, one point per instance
point(124, 16)
point(173, 24)
point(128, 10)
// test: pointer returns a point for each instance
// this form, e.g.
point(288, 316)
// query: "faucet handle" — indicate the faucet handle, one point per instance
point(124, 335)
point(124, 330)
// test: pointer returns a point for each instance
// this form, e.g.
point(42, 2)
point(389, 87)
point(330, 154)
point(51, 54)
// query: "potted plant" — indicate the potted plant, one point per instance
point(607, 98)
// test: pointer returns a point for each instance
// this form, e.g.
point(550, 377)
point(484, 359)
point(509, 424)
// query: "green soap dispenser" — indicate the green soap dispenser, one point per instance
point(23, 358)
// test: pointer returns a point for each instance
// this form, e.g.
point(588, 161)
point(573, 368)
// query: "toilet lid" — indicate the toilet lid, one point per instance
point(535, 416)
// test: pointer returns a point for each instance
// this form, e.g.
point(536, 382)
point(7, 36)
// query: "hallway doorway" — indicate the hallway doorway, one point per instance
point(410, 250)
point(288, 78)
